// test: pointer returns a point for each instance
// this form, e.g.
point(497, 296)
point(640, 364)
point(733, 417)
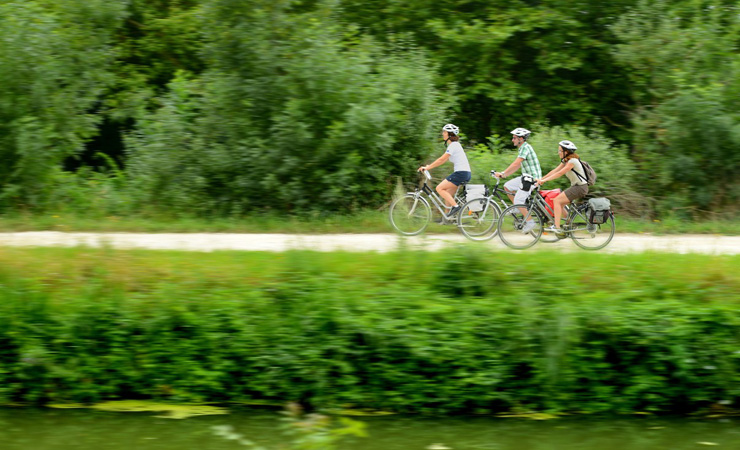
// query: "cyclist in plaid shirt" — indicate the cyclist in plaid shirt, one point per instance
point(520, 187)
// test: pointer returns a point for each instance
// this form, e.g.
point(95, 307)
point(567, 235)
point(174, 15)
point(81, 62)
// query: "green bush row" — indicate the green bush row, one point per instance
point(461, 331)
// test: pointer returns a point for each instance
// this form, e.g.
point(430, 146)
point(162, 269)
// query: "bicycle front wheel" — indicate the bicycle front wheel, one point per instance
point(410, 214)
point(548, 236)
point(517, 230)
point(478, 219)
point(587, 235)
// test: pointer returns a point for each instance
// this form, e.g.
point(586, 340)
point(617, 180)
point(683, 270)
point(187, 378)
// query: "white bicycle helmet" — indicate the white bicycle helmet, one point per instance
point(450, 128)
point(521, 132)
point(567, 144)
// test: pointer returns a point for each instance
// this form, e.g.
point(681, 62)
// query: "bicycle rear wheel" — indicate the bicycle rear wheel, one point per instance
point(410, 214)
point(478, 219)
point(510, 227)
point(587, 235)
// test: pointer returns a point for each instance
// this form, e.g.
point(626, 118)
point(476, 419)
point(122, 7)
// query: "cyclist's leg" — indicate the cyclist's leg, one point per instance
point(521, 197)
point(559, 203)
point(511, 187)
point(446, 189)
point(515, 191)
point(567, 197)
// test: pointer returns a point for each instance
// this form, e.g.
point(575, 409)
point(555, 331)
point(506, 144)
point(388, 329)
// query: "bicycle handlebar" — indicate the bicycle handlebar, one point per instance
point(493, 175)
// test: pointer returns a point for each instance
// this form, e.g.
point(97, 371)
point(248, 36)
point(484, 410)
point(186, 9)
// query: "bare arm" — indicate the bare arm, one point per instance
point(560, 166)
point(441, 160)
point(513, 167)
point(557, 173)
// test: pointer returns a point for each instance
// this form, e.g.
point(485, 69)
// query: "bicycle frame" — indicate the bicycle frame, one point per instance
point(578, 210)
point(436, 200)
point(410, 213)
point(537, 203)
point(496, 192)
point(538, 212)
point(478, 218)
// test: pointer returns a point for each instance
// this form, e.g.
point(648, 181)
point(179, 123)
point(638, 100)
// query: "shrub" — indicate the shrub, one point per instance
point(321, 119)
point(382, 331)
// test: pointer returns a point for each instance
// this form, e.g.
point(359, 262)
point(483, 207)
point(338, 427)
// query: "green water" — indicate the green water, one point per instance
point(49, 429)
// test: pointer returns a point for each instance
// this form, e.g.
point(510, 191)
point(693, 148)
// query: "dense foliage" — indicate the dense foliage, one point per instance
point(317, 118)
point(52, 74)
point(407, 331)
point(222, 107)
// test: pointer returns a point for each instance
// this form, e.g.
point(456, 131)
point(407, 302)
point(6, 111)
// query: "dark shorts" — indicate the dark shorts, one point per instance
point(575, 192)
point(457, 178)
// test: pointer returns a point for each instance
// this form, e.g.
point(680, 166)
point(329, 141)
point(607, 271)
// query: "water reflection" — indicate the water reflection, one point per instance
point(45, 429)
point(561, 434)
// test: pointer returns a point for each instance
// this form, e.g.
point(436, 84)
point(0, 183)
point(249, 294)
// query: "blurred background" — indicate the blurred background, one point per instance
point(225, 108)
point(254, 111)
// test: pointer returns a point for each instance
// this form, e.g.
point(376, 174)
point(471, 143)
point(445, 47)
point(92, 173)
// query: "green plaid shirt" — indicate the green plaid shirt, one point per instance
point(530, 165)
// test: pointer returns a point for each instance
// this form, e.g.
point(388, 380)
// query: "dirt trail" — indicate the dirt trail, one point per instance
point(622, 243)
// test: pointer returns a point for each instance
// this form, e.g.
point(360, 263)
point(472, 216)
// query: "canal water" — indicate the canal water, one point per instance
point(79, 429)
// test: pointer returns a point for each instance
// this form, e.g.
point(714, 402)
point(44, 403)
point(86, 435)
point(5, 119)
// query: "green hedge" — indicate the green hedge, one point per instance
point(460, 331)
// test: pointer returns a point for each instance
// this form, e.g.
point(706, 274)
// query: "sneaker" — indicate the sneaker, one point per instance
point(553, 229)
point(528, 226)
point(453, 212)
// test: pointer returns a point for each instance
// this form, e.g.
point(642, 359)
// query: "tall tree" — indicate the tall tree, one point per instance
point(54, 65)
point(515, 62)
point(296, 111)
point(684, 63)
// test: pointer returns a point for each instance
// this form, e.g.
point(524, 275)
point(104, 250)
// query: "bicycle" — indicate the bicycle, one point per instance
point(478, 218)
point(578, 226)
point(411, 214)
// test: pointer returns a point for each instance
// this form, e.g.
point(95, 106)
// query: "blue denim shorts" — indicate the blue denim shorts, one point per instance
point(458, 178)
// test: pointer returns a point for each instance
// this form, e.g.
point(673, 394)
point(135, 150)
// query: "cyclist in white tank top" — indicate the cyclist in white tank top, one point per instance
point(571, 167)
point(461, 168)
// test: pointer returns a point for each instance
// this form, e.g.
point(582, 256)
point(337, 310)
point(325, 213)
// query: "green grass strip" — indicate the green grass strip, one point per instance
point(463, 330)
point(360, 222)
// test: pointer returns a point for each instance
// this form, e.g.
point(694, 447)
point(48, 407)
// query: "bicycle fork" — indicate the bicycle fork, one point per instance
point(416, 202)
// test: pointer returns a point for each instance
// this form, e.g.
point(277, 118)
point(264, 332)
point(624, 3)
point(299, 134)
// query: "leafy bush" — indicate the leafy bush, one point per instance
point(382, 331)
point(96, 193)
point(48, 89)
point(319, 119)
point(682, 60)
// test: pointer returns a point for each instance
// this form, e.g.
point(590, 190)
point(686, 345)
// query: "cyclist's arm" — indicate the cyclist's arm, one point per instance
point(513, 167)
point(441, 160)
point(560, 166)
point(557, 173)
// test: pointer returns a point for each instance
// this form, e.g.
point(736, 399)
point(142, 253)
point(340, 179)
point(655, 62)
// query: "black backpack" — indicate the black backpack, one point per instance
point(589, 171)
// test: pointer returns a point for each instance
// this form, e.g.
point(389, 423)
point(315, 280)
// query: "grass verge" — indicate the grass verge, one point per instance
point(362, 222)
point(466, 330)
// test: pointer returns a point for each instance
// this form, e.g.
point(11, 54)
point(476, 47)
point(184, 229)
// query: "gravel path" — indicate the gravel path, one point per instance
point(697, 243)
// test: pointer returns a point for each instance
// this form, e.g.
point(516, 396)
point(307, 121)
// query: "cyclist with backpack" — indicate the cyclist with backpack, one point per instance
point(520, 187)
point(461, 171)
point(570, 166)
